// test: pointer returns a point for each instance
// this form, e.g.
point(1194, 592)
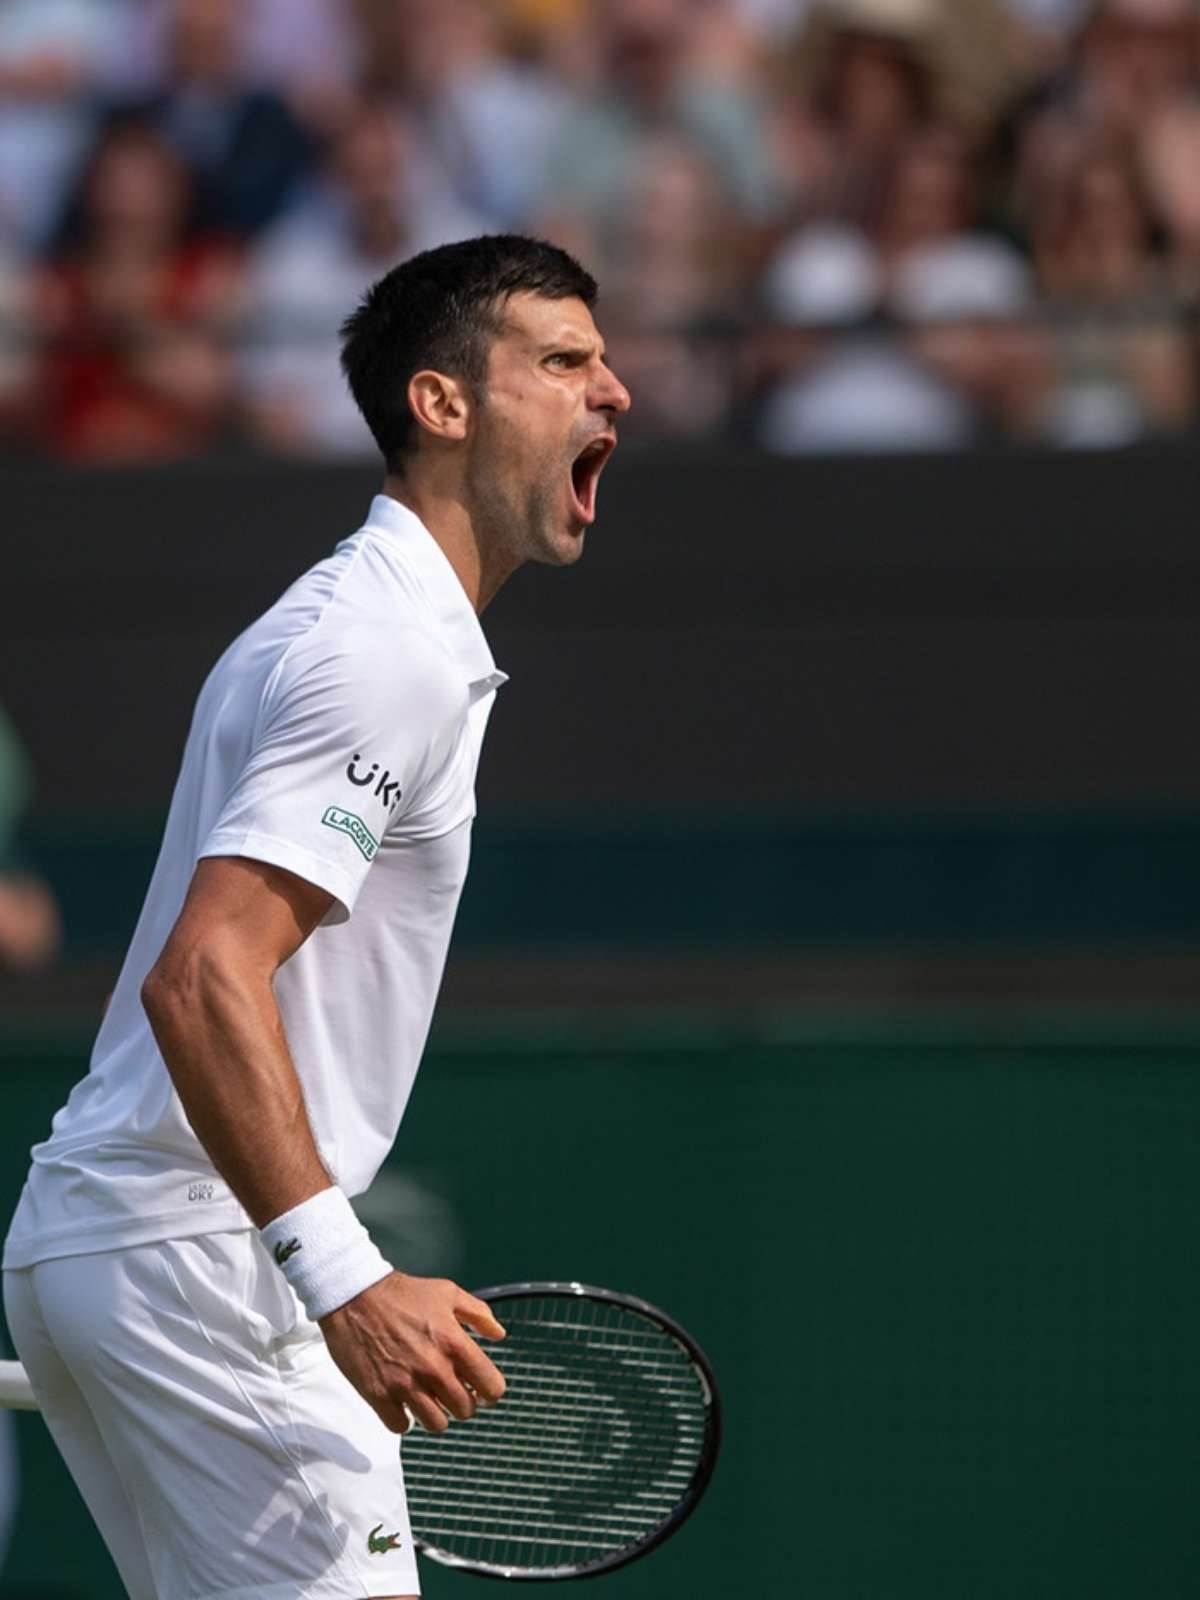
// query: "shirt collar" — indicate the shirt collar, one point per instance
point(457, 622)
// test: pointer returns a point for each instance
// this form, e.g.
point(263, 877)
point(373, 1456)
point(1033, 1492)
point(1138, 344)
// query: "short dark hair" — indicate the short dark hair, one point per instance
point(441, 310)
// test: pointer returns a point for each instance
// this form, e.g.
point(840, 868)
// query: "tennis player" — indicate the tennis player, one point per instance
point(222, 1355)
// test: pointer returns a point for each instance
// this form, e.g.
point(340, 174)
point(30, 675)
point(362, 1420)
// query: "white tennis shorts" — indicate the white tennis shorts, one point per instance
point(220, 1451)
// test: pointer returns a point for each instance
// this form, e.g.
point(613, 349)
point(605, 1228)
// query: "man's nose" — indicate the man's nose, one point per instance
point(612, 395)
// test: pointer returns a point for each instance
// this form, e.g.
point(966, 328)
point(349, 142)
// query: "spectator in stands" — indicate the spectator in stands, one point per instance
point(929, 224)
point(860, 88)
point(50, 52)
point(673, 284)
point(1094, 235)
point(650, 85)
point(292, 47)
point(485, 113)
point(30, 932)
point(680, 146)
point(1135, 56)
point(1170, 149)
point(305, 51)
point(1045, 34)
point(968, 303)
point(375, 202)
point(868, 76)
point(1133, 60)
point(928, 195)
point(134, 311)
point(832, 380)
point(246, 150)
point(967, 371)
point(1097, 251)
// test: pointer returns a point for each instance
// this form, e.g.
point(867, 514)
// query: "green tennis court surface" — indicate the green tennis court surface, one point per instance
point(948, 1272)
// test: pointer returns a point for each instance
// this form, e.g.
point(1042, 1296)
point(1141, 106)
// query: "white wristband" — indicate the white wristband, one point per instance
point(324, 1252)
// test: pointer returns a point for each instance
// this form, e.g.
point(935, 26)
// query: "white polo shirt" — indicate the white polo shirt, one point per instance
point(338, 737)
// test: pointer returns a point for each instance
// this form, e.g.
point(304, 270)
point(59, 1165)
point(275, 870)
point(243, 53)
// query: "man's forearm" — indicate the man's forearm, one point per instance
point(209, 998)
point(222, 1038)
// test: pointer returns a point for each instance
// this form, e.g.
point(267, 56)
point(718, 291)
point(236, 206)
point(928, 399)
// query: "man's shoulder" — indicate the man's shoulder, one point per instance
point(356, 609)
point(359, 649)
point(378, 611)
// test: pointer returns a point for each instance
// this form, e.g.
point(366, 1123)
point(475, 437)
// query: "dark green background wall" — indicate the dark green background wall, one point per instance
point(915, 711)
point(792, 882)
point(948, 1273)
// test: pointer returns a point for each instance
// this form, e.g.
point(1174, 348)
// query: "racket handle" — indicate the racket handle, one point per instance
point(15, 1391)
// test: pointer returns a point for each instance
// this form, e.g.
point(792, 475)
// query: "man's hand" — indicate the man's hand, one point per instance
point(403, 1346)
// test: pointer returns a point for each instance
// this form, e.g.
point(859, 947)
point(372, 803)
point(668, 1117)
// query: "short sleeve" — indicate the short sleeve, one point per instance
point(349, 735)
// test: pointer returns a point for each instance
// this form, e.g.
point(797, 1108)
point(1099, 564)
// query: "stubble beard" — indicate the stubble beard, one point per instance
point(520, 522)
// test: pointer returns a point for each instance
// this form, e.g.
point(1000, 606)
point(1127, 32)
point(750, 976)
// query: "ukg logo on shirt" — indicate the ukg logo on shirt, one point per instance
point(386, 789)
point(347, 822)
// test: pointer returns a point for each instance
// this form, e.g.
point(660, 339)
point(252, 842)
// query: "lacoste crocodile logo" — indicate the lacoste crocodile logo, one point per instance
point(284, 1252)
point(378, 1543)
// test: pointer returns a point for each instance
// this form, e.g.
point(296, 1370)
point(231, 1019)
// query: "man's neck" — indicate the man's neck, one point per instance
point(449, 523)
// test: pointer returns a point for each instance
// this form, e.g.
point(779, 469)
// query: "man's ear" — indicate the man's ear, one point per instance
point(440, 404)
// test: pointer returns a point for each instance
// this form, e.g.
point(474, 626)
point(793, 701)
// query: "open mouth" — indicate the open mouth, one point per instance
point(585, 475)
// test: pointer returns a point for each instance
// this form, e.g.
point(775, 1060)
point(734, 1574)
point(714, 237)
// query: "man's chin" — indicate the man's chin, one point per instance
point(561, 549)
point(571, 548)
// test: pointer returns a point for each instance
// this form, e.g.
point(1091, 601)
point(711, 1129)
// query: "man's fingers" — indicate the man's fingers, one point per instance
point(474, 1368)
point(393, 1414)
point(446, 1389)
point(418, 1333)
point(428, 1413)
point(477, 1314)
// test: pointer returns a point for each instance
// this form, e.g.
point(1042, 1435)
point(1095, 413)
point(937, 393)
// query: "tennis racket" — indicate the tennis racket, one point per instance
point(602, 1446)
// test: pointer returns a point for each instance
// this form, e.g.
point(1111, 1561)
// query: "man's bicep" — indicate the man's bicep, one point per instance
point(260, 911)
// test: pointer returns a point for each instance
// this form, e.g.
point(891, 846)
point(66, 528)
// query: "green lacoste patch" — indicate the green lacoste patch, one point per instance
point(285, 1252)
point(347, 822)
point(378, 1543)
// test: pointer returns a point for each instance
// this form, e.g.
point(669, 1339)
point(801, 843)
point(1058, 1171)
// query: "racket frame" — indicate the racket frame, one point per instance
point(691, 1496)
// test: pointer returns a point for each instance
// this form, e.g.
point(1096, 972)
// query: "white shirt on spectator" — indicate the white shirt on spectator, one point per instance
point(864, 396)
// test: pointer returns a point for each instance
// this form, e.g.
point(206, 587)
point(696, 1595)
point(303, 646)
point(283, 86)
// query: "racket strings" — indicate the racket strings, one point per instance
point(593, 1447)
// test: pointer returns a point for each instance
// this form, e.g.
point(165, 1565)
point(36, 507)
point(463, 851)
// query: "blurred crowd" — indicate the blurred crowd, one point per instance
point(817, 224)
